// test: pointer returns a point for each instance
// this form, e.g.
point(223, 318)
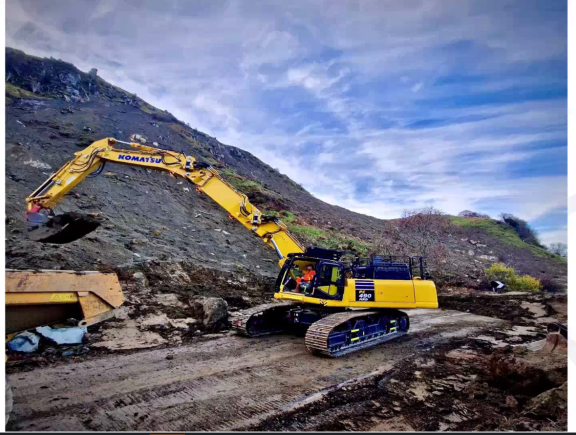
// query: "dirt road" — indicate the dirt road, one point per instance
point(222, 384)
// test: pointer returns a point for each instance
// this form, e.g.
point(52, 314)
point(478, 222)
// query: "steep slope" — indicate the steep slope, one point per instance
point(54, 110)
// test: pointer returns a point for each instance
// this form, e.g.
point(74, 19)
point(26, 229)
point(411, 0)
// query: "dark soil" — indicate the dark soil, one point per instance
point(460, 395)
point(501, 306)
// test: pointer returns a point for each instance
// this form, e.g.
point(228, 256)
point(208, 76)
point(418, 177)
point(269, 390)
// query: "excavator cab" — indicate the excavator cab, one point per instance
point(293, 271)
point(327, 283)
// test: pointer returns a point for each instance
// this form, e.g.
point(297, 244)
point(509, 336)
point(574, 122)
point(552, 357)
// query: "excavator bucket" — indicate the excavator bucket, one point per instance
point(59, 229)
point(44, 297)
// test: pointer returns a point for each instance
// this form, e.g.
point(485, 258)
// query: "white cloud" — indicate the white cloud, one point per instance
point(350, 80)
point(558, 235)
point(416, 87)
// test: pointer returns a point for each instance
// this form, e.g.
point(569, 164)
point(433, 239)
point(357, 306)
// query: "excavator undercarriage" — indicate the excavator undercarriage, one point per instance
point(328, 331)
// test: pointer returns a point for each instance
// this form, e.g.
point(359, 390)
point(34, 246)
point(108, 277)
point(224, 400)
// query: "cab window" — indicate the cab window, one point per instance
point(296, 271)
point(330, 281)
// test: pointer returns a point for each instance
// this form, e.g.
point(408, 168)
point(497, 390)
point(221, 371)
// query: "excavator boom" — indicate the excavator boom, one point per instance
point(44, 226)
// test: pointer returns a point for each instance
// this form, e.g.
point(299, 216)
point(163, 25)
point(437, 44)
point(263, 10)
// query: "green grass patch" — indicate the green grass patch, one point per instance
point(271, 213)
point(145, 107)
point(310, 233)
point(18, 92)
point(312, 236)
point(504, 234)
point(287, 217)
point(241, 183)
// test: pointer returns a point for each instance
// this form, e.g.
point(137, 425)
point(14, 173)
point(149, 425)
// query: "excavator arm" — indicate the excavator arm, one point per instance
point(45, 226)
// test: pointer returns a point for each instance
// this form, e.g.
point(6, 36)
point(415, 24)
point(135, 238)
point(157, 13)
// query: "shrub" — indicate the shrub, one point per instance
point(499, 272)
point(550, 285)
point(524, 231)
point(473, 214)
point(514, 282)
point(528, 283)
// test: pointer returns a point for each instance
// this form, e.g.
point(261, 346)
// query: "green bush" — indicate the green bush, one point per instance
point(287, 217)
point(312, 236)
point(514, 282)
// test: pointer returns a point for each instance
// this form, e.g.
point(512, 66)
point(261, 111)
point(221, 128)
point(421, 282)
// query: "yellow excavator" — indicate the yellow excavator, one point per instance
point(343, 302)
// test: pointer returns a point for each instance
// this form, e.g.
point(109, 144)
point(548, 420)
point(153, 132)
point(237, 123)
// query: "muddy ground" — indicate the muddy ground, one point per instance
point(456, 370)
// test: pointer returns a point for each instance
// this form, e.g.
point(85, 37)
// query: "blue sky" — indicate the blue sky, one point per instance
point(376, 106)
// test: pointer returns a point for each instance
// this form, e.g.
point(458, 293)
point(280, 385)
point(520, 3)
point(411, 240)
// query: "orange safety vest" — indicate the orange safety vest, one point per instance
point(308, 276)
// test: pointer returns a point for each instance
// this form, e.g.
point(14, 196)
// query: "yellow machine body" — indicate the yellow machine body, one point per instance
point(414, 293)
point(42, 297)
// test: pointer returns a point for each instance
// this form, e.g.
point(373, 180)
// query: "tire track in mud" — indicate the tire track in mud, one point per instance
point(221, 384)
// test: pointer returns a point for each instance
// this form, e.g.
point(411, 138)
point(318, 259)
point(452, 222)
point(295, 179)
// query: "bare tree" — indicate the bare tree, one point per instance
point(559, 249)
point(422, 229)
point(418, 232)
point(384, 243)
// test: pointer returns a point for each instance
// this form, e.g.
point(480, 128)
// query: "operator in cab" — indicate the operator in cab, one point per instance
point(305, 282)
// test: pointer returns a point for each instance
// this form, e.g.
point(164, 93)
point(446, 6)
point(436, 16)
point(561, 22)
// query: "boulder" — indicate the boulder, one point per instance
point(138, 138)
point(155, 320)
point(549, 403)
point(140, 279)
point(128, 336)
point(210, 310)
point(183, 323)
point(511, 402)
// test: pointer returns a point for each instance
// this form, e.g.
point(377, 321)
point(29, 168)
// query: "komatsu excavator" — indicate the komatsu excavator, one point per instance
point(345, 305)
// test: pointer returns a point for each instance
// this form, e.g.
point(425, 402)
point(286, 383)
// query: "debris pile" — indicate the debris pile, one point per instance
point(459, 386)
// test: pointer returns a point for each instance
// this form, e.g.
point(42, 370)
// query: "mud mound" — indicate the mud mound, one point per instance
point(523, 310)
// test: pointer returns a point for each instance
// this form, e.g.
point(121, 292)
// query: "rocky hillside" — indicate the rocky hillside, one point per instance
point(54, 110)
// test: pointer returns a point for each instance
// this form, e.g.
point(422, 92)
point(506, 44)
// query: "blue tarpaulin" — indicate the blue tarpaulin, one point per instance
point(72, 335)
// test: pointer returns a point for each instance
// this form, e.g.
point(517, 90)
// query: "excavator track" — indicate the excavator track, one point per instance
point(342, 333)
point(261, 320)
